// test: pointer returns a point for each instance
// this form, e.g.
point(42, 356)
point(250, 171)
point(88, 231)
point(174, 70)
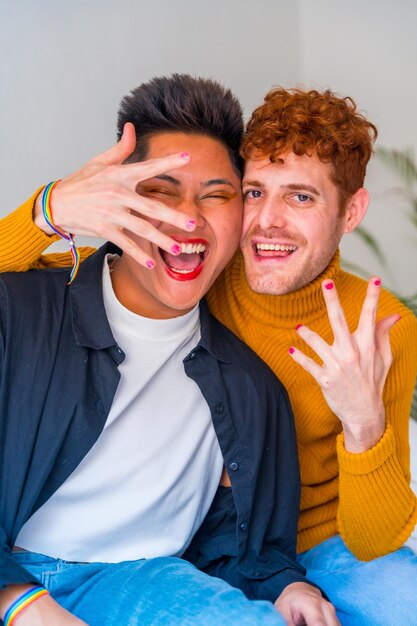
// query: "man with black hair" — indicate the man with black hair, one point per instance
point(287, 297)
point(140, 438)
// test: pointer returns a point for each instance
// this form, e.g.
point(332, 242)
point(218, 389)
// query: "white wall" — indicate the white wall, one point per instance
point(64, 67)
point(367, 49)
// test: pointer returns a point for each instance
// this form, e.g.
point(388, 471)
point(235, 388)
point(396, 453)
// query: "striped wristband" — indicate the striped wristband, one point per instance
point(19, 605)
point(47, 214)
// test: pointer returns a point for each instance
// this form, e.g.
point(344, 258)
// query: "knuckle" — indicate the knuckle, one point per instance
point(351, 359)
point(146, 229)
point(369, 310)
point(111, 190)
point(133, 251)
point(104, 231)
point(112, 169)
point(331, 609)
point(324, 382)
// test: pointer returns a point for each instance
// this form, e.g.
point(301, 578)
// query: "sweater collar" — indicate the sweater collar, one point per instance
point(304, 305)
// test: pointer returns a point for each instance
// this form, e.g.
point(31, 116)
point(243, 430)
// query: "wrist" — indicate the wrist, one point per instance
point(15, 599)
point(9, 594)
point(38, 218)
point(362, 437)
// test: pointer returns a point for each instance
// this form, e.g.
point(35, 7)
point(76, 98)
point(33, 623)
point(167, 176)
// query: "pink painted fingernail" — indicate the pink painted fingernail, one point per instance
point(190, 224)
point(329, 285)
point(176, 249)
point(291, 350)
point(185, 155)
point(377, 282)
point(298, 326)
point(150, 264)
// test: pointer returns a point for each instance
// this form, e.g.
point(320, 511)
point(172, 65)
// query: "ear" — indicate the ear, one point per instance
point(356, 208)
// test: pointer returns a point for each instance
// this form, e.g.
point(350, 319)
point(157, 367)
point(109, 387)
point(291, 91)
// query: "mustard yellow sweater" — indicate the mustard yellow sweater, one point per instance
point(366, 497)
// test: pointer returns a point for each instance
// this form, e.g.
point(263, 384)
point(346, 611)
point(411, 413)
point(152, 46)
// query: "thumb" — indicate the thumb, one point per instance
point(382, 331)
point(384, 326)
point(123, 148)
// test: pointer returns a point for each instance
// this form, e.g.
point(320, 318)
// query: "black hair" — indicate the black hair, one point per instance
point(182, 103)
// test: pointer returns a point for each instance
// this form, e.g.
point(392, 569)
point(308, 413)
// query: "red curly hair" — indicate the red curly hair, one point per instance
point(311, 122)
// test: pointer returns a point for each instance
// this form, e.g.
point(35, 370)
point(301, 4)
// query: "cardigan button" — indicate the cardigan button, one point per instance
point(234, 466)
point(244, 526)
point(219, 408)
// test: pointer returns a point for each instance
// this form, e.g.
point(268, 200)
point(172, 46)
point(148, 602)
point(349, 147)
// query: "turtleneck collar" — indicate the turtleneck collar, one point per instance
point(304, 305)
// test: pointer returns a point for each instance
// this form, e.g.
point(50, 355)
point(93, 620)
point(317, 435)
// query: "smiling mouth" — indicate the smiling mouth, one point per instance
point(269, 250)
point(189, 263)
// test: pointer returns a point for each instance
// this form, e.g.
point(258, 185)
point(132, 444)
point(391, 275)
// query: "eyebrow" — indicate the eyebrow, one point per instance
point(252, 183)
point(298, 186)
point(293, 186)
point(206, 183)
point(168, 179)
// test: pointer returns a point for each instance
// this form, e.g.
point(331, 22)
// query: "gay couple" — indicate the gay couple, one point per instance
point(149, 470)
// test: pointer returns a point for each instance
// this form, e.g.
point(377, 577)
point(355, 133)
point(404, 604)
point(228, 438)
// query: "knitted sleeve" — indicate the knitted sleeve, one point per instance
point(22, 242)
point(377, 508)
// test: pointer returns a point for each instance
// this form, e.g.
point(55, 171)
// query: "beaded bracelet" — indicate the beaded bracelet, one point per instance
point(47, 214)
point(22, 602)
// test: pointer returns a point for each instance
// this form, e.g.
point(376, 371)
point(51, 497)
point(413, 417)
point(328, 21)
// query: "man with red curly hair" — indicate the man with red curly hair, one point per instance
point(287, 297)
point(306, 155)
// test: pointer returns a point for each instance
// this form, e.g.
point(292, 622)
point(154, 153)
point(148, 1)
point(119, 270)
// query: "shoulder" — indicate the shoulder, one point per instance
point(352, 289)
point(242, 360)
point(32, 297)
point(32, 282)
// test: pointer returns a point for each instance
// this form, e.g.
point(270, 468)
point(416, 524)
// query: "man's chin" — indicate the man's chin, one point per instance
point(269, 283)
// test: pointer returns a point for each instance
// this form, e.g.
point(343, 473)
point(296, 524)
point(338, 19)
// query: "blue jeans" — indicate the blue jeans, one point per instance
point(382, 592)
point(164, 591)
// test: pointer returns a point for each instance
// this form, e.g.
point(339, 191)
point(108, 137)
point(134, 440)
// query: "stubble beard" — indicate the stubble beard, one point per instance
point(266, 280)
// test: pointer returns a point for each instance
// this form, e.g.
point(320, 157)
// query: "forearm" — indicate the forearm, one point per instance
point(10, 594)
point(21, 241)
point(42, 611)
point(377, 508)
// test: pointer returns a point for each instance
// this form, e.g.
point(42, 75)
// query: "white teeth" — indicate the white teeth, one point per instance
point(192, 248)
point(275, 246)
point(177, 271)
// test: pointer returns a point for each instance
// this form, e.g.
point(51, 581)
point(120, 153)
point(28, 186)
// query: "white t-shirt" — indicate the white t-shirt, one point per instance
point(146, 485)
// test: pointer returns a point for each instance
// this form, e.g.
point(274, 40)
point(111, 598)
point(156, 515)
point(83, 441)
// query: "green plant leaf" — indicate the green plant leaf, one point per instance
point(371, 242)
point(404, 164)
point(401, 161)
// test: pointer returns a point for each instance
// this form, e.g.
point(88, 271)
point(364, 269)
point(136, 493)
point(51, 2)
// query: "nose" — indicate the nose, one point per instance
point(272, 214)
point(193, 211)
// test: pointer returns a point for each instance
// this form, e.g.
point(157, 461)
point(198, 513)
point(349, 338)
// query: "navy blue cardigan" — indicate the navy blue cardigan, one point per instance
point(58, 376)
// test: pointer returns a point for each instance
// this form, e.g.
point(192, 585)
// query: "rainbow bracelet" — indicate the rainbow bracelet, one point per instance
point(19, 605)
point(47, 214)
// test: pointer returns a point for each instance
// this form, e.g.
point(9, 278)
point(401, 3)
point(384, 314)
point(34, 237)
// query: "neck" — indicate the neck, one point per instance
point(135, 297)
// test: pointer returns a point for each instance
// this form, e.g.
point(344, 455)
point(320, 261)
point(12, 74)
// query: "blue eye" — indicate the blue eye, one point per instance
point(302, 197)
point(253, 194)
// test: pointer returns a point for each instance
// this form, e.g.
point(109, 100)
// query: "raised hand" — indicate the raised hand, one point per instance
point(100, 200)
point(301, 604)
point(354, 368)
